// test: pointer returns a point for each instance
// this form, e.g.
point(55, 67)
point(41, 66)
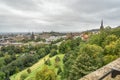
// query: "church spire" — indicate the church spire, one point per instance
point(101, 27)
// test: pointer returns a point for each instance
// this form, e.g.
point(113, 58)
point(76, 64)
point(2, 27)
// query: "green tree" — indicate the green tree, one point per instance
point(7, 58)
point(68, 60)
point(109, 39)
point(42, 52)
point(65, 46)
point(1, 54)
point(54, 46)
point(57, 62)
point(59, 71)
point(109, 58)
point(57, 59)
point(23, 76)
point(45, 74)
point(53, 52)
point(89, 60)
point(48, 62)
point(98, 39)
point(113, 48)
point(116, 31)
point(2, 75)
point(29, 70)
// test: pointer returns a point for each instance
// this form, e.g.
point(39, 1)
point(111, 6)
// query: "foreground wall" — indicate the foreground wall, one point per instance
point(96, 75)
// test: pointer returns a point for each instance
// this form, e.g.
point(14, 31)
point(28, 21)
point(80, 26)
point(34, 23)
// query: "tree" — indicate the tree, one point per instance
point(89, 60)
point(48, 62)
point(54, 46)
point(45, 74)
point(116, 31)
point(42, 52)
point(67, 56)
point(47, 49)
point(109, 58)
point(59, 71)
point(2, 75)
point(1, 54)
point(78, 40)
point(29, 70)
point(69, 60)
point(57, 59)
point(110, 49)
point(65, 46)
point(98, 39)
point(23, 76)
point(118, 46)
point(113, 48)
point(2, 62)
point(7, 59)
point(109, 39)
point(53, 52)
point(108, 28)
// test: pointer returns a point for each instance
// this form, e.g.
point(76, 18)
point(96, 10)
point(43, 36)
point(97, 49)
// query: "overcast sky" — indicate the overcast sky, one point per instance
point(57, 15)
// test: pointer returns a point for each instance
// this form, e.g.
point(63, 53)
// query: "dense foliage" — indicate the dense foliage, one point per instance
point(16, 58)
point(87, 56)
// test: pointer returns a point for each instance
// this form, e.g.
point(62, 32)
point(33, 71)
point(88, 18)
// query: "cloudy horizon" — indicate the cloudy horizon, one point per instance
point(57, 15)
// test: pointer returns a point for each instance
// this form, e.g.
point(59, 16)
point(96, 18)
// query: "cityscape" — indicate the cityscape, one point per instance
point(59, 40)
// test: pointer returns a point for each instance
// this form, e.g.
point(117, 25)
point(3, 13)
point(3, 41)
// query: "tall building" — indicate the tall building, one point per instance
point(32, 36)
point(101, 27)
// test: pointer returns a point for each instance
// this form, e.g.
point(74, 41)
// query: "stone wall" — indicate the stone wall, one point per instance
point(96, 75)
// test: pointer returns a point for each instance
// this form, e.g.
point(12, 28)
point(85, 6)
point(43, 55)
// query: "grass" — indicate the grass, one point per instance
point(37, 67)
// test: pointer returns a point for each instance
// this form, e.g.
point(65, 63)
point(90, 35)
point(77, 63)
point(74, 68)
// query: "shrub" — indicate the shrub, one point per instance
point(2, 76)
point(23, 76)
point(48, 62)
point(29, 70)
point(59, 71)
point(57, 59)
point(45, 74)
point(53, 53)
point(56, 65)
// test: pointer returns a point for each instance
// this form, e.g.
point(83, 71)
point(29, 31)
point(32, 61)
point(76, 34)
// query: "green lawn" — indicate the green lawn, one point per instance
point(37, 67)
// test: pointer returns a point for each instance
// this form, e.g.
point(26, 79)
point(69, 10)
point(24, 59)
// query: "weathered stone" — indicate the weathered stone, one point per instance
point(96, 75)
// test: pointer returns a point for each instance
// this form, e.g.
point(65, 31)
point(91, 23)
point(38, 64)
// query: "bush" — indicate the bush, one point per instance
point(1, 54)
point(2, 76)
point(56, 65)
point(45, 74)
point(47, 62)
point(53, 53)
point(29, 70)
point(59, 71)
point(57, 59)
point(23, 76)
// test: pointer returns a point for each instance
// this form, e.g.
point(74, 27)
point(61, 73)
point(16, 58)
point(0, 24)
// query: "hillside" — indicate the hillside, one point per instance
point(36, 67)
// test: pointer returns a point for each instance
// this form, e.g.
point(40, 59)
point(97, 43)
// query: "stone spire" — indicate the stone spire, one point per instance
point(101, 27)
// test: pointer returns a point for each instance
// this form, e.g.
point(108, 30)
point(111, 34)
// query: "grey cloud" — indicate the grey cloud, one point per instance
point(57, 15)
point(21, 4)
